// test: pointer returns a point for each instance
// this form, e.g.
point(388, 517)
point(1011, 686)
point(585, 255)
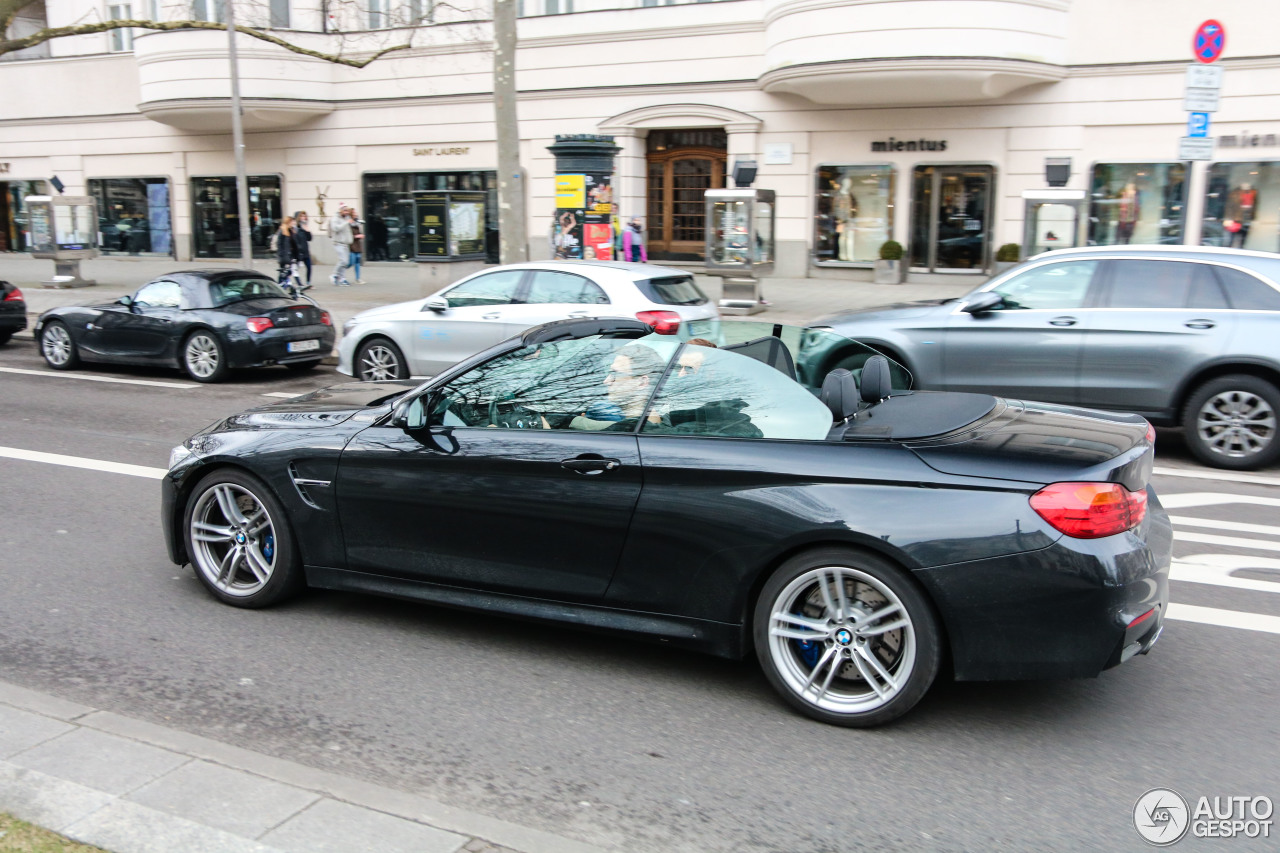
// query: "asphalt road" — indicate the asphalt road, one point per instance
point(623, 744)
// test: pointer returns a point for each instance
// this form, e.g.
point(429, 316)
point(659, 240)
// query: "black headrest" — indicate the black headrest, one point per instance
point(840, 393)
point(876, 381)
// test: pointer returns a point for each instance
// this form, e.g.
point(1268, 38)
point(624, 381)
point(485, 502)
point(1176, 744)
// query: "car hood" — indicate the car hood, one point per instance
point(325, 407)
point(1044, 443)
point(896, 311)
point(389, 310)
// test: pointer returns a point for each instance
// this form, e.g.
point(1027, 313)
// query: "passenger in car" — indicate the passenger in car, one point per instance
point(691, 382)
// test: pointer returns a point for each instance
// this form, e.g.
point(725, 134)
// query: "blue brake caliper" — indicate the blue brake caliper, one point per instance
point(269, 545)
point(808, 648)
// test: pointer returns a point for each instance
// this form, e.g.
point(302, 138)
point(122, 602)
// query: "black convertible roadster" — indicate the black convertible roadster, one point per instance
point(206, 322)
point(858, 537)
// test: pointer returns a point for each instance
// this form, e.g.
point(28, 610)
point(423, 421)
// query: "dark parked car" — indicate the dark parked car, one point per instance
point(1184, 336)
point(599, 474)
point(13, 311)
point(206, 322)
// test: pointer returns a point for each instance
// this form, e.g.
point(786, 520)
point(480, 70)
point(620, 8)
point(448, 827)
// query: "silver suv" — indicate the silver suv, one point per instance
point(1182, 335)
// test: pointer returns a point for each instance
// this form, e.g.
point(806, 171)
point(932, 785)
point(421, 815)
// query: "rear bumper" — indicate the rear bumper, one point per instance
point(13, 321)
point(1066, 611)
point(272, 346)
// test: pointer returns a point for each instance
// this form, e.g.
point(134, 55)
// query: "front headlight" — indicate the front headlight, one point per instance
point(178, 454)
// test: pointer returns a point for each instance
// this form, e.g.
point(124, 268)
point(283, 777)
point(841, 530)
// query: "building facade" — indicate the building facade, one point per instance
point(929, 122)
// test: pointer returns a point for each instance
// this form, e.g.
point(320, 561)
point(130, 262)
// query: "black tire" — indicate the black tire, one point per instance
point(266, 568)
point(58, 347)
point(303, 366)
point(378, 359)
point(832, 677)
point(4, 337)
point(1230, 422)
point(203, 357)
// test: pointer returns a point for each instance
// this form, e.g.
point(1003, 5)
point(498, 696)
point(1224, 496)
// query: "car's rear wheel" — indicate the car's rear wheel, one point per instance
point(846, 637)
point(204, 358)
point(378, 359)
point(239, 540)
point(56, 346)
point(1230, 422)
point(5, 336)
point(303, 366)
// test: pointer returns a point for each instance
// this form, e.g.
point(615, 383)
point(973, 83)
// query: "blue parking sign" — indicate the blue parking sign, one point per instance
point(1197, 125)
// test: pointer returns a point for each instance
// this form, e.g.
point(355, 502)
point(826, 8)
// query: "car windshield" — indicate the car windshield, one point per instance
point(228, 290)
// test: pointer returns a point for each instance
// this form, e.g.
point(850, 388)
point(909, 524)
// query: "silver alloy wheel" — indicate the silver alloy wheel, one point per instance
point(56, 344)
point(1237, 424)
point(201, 355)
point(379, 362)
point(842, 640)
point(233, 539)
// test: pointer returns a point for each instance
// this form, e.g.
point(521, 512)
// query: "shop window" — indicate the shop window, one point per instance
point(1137, 203)
point(216, 215)
point(134, 217)
point(122, 38)
point(853, 213)
point(389, 211)
point(14, 220)
point(1242, 206)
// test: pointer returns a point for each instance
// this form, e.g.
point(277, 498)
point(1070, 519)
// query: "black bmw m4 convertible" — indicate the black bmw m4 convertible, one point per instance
point(858, 537)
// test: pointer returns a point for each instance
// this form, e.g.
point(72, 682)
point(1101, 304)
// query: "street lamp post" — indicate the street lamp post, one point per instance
point(237, 141)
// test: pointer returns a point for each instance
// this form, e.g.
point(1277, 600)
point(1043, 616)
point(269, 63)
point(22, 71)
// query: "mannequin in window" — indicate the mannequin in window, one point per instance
point(1238, 216)
point(845, 209)
point(1128, 213)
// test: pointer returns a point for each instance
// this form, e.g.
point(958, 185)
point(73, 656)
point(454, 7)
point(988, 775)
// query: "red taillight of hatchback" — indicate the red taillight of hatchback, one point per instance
point(1090, 510)
point(14, 295)
point(663, 322)
point(325, 318)
point(258, 325)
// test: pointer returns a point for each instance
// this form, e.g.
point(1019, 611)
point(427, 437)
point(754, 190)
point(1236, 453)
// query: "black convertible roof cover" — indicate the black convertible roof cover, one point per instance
point(564, 330)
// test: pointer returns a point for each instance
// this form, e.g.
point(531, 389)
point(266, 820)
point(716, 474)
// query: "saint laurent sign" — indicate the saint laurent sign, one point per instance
point(910, 145)
point(439, 152)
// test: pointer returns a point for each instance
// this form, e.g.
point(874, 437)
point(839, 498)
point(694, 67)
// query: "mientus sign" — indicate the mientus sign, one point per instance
point(892, 144)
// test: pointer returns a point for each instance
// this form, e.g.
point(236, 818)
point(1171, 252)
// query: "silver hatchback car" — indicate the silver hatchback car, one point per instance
point(424, 336)
point(1182, 335)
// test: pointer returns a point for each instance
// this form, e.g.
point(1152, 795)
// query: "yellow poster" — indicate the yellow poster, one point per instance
point(571, 191)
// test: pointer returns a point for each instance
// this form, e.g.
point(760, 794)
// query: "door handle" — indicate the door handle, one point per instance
point(1062, 321)
point(1199, 324)
point(590, 465)
point(494, 315)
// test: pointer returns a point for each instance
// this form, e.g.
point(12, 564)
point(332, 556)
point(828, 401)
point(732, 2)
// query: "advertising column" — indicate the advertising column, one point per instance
point(582, 225)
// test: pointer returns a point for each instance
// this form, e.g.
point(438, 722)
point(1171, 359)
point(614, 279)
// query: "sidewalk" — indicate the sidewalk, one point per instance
point(130, 786)
point(794, 301)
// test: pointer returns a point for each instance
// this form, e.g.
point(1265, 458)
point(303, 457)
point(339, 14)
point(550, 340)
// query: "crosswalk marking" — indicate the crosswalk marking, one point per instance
point(1216, 569)
point(82, 462)
point(91, 378)
point(1237, 526)
point(1223, 618)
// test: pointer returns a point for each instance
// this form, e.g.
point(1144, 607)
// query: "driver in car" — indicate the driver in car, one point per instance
point(628, 383)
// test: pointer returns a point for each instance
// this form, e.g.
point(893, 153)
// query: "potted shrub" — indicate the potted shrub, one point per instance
point(1006, 256)
point(889, 267)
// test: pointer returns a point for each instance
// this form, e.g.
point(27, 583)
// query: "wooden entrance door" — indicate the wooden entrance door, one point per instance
point(677, 183)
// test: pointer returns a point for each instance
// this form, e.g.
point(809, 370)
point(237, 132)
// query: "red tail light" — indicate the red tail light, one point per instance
point(15, 295)
point(259, 324)
point(1090, 510)
point(1151, 434)
point(663, 322)
point(325, 318)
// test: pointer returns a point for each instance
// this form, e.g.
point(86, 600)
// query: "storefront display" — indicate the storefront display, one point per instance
point(1137, 203)
point(216, 216)
point(853, 213)
point(14, 225)
point(134, 216)
point(951, 218)
point(1242, 206)
point(449, 225)
point(389, 215)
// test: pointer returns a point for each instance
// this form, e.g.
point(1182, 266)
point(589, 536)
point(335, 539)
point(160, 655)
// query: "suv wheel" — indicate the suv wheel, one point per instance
point(1230, 422)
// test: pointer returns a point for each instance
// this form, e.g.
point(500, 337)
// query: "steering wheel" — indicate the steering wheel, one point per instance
point(513, 416)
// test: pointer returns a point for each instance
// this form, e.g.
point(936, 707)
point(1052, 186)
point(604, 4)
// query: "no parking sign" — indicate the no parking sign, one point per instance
point(1209, 41)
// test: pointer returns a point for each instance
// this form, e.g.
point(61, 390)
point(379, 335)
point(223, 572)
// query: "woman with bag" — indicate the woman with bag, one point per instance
point(285, 243)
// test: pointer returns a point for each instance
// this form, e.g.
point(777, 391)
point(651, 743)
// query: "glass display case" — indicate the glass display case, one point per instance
point(65, 229)
point(450, 226)
point(740, 232)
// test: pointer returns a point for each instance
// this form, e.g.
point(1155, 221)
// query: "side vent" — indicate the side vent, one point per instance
point(302, 484)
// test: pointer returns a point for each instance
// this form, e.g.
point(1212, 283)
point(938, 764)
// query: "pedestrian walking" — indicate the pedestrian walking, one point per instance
point(633, 242)
point(286, 245)
point(340, 233)
point(302, 239)
point(357, 245)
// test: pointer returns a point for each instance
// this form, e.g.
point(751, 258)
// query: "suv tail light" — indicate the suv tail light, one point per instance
point(325, 318)
point(15, 295)
point(663, 322)
point(259, 324)
point(1090, 510)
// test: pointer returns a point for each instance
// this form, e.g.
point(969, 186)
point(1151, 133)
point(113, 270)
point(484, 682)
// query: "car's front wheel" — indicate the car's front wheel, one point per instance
point(378, 359)
point(846, 637)
point(239, 540)
point(204, 358)
point(56, 346)
point(1230, 422)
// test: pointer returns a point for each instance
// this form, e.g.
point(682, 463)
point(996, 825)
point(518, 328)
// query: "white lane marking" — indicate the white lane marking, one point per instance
point(58, 375)
point(82, 462)
point(1224, 618)
point(1183, 501)
point(1228, 541)
point(1237, 526)
point(1216, 570)
point(1209, 475)
point(284, 394)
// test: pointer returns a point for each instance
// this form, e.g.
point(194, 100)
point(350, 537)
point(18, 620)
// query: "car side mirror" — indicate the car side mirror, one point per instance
point(126, 301)
point(980, 303)
point(411, 414)
point(438, 304)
